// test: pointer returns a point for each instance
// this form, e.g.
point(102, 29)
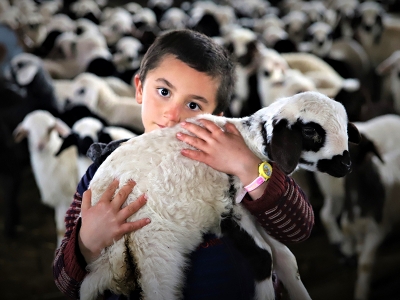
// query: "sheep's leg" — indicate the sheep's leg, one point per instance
point(347, 247)
point(330, 210)
point(374, 236)
point(333, 192)
point(285, 266)
point(248, 240)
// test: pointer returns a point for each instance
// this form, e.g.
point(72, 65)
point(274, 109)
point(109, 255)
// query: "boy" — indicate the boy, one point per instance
point(183, 74)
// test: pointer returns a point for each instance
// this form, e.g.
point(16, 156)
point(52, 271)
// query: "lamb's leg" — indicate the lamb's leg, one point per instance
point(285, 266)
point(244, 234)
point(374, 236)
point(161, 264)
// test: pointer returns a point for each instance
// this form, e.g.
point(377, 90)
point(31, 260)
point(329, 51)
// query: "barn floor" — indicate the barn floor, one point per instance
point(25, 262)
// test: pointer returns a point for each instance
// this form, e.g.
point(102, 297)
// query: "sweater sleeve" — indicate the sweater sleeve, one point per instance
point(283, 210)
point(69, 264)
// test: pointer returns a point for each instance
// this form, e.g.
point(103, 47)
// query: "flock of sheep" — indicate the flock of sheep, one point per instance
point(71, 85)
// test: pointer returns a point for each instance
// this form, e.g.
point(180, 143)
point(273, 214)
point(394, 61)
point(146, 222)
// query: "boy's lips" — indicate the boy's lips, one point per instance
point(161, 126)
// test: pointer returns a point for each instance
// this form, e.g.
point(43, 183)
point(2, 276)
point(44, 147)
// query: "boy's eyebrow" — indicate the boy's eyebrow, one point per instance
point(171, 86)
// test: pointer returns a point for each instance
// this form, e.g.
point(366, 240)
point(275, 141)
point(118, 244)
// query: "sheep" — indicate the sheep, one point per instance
point(174, 18)
point(371, 206)
point(376, 31)
point(88, 53)
point(117, 26)
point(391, 65)
point(56, 177)
point(92, 91)
point(87, 131)
point(333, 189)
point(175, 231)
point(326, 79)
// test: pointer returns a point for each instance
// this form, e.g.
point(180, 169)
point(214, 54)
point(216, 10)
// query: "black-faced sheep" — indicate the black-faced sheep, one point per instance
point(372, 206)
point(308, 130)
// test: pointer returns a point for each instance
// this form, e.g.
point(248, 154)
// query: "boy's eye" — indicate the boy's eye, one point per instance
point(163, 92)
point(193, 106)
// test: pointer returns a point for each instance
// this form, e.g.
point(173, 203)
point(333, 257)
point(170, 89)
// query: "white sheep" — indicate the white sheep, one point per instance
point(377, 31)
point(391, 66)
point(179, 217)
point(92, 91)
point(372, 205)
point(56, 177)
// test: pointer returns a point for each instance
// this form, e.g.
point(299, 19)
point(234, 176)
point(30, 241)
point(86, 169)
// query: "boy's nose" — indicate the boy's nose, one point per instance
point(173, 113)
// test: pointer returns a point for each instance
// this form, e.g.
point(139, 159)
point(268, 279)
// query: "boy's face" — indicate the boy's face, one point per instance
point(173, 92)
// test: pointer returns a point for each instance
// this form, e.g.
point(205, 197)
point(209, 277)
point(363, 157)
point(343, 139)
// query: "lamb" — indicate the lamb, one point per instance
point(391, 65)
point(333, 189)
point(92, 91)
point(87, 131)
point(56, 177)
point(315, 121)
point(372, 205)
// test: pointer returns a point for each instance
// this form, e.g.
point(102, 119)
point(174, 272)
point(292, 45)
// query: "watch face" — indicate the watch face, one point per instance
point(267, 169)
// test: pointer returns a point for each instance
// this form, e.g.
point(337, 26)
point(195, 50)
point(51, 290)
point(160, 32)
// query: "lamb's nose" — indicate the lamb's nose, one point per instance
point(346, 161)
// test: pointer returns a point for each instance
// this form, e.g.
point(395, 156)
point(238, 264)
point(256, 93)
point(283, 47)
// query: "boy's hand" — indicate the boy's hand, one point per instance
point(223, 150)
point(105, 222)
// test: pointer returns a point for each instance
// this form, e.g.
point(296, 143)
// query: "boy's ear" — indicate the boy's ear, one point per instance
point(139, 89)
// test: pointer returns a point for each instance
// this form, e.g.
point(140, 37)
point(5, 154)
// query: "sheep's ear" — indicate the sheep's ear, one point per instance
point(20, 133)
point(286, 146)
point(353, 133)
point(385, 66)
point(68, 141)
point(104, 137)
point(62, 128)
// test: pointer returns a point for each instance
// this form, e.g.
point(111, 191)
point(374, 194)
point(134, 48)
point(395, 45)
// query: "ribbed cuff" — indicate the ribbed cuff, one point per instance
point(272, 194)
point(74, 261)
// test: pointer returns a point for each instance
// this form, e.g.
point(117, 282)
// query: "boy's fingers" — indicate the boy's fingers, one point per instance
point(86, 200)
point(123, 194)
point(133, 207)
point(109, 192)
point(133, 226)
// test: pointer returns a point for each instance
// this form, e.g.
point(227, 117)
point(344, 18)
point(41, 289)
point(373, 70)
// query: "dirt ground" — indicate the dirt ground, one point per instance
point(26, 273)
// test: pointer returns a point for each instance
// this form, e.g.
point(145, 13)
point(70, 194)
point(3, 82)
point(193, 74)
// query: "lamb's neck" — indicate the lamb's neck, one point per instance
point(252, 133)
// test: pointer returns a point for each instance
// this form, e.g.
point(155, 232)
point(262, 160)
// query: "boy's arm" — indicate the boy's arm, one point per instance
point(69, 264)
point(283, 210)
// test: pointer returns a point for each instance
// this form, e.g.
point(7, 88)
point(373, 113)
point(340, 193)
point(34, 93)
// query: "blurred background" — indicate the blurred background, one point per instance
point(71, 58)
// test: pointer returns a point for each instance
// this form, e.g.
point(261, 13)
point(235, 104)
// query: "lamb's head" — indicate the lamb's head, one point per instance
point(84, 91)
point(40, 127)
point(308, 130)
point(24, 67)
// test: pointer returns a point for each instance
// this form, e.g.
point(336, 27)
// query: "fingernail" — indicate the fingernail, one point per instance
point(183, 123)
point(148, 221)
point(145, 197)
point(179, 134)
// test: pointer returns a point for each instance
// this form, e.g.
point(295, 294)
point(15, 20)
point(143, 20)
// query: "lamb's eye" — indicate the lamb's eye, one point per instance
point(163, 92)
point(81, 91)
point(267, 73)
point(309, 132)
point(20, 65)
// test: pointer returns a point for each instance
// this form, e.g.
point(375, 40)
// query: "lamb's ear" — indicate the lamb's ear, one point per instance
point(20, 133)
point(68, 141)
point(353, 133)
point(62, 128)
point(286, 145)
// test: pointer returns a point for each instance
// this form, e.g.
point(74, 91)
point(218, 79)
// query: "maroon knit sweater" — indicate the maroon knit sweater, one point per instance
point(284, 212)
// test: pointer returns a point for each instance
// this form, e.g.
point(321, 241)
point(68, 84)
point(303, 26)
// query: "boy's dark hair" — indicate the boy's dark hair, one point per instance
point(199, 52)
